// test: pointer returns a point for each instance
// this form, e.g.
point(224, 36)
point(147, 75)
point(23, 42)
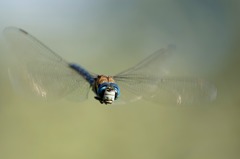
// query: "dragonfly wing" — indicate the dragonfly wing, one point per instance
point(35, 69)
point(156, 62)
point(167, 90)
point(149, 80)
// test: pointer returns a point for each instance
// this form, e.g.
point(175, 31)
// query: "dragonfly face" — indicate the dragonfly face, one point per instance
point(106, 89)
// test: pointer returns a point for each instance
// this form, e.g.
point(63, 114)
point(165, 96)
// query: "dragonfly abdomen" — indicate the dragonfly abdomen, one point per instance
point(83, 72)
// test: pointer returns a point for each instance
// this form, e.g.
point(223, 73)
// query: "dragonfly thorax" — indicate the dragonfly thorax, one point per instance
point(106, 89)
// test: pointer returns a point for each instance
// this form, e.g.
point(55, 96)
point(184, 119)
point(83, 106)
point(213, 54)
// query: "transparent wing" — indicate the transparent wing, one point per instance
point(35, 69)
point(150, 80)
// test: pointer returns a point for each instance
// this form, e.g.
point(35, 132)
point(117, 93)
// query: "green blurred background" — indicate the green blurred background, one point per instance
point(106, 37)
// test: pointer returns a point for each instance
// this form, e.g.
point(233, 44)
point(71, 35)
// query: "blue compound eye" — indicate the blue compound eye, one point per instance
point(101, 88)
point(116, 88)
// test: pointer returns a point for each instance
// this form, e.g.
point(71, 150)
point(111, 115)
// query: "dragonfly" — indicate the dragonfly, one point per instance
point(39, 71)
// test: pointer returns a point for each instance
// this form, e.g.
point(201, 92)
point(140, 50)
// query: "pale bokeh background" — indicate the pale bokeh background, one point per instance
point(107, 37)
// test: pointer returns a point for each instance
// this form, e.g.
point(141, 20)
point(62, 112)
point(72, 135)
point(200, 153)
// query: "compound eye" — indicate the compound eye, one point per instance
point(101, 89)
point(115, 87)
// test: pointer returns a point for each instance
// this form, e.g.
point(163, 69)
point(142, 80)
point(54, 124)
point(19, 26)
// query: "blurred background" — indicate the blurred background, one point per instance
point(107, 37)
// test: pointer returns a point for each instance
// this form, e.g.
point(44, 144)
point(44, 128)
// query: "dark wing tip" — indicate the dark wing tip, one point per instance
point(23, 31)
point(14, 29)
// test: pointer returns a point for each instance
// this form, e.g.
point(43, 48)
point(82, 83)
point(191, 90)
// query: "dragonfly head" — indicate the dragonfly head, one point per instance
point(107, 92)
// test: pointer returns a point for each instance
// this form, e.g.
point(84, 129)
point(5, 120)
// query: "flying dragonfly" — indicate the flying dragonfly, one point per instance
point(40, 71)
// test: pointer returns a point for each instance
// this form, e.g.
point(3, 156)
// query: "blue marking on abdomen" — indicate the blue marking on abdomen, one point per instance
point(84, 73)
